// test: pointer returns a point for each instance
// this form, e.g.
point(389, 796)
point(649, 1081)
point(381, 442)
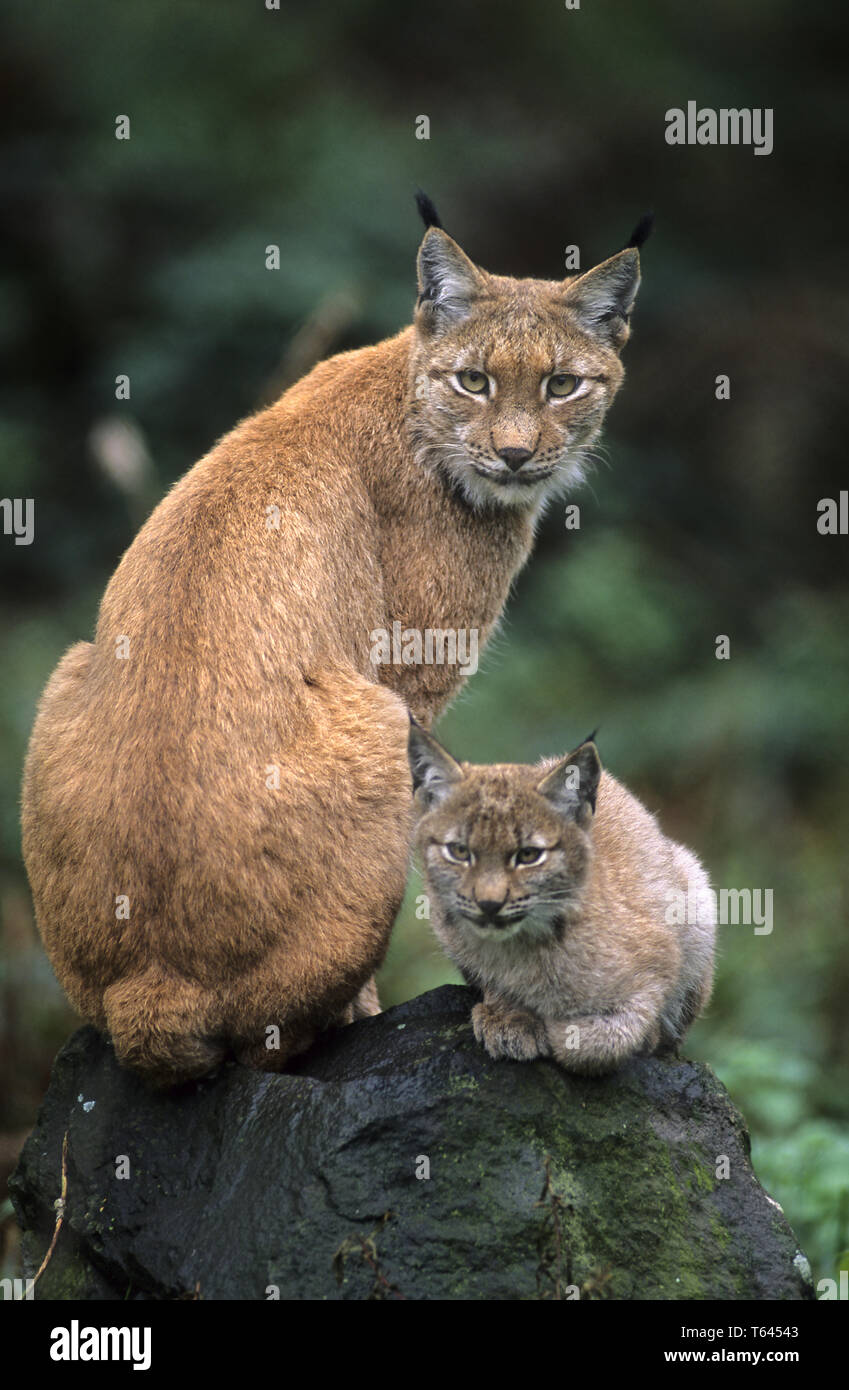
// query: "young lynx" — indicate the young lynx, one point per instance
point(216, 801)
point(550, 888)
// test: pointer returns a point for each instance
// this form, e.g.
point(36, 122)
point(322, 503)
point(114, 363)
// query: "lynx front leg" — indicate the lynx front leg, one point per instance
point(334, 860)
point(507, 1031)
point(365, 1005)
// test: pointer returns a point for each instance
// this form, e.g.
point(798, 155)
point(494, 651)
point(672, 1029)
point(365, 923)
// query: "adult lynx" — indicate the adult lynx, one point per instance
point(551, 888)
point(216, 800)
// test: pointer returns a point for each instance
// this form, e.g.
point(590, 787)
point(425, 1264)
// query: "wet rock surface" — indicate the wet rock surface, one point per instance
point(397, 1160)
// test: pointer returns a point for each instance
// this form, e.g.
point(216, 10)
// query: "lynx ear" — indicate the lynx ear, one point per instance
point(435, 773)
point(572, 786)
point(603, 298)
point(448, 281)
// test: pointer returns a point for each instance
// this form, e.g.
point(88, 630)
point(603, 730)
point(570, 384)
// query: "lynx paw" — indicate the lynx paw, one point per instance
point(367, 1003)
point(364, 1005)
point(511, 1033)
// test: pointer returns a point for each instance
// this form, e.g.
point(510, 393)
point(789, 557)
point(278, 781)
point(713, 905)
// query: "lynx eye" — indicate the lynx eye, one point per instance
point(457, 852)
point(562, 384)
point(529, 854)
point(474, 381)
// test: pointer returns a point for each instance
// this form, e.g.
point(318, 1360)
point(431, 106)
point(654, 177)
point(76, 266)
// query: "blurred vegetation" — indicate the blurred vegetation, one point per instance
point(147, 257)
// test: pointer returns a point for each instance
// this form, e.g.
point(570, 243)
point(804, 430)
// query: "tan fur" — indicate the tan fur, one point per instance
point(577, 956)
point(254, 906)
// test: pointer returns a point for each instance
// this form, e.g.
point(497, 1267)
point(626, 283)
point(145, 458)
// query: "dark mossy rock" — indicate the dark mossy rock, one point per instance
point(396, 1159)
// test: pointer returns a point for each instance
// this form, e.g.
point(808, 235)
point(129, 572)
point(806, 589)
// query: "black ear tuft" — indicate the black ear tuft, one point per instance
point(428, 212)
point(641, 232)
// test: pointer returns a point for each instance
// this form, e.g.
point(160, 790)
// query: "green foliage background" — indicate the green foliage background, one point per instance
point(147, 257)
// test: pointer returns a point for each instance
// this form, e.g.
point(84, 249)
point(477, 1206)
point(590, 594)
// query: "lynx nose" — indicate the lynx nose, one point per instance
point(490, 907)
point(514, 458)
